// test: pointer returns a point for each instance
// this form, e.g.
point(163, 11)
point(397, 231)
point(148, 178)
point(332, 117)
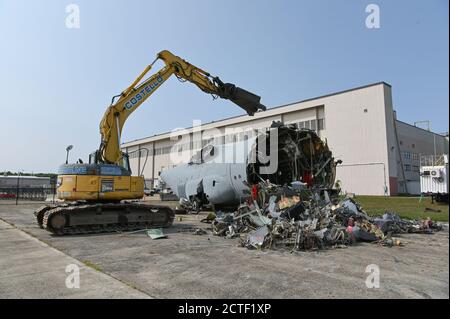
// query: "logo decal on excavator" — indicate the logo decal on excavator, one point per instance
point(143, 92)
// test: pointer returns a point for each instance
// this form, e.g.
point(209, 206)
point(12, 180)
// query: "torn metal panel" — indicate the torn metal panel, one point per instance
point(156, 233)
point(257, 238)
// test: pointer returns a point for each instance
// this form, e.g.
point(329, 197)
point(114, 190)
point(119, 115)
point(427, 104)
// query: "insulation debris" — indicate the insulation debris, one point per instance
point(298, 219)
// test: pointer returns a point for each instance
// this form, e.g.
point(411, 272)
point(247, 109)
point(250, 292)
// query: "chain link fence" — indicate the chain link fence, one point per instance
point(21, 195)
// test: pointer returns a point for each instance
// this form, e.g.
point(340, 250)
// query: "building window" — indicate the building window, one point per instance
point(320, 124)
point(315, 125)
point(415, 168)
point(163, 150)
point(407, 155)
point(407, 168)
point(144, 152)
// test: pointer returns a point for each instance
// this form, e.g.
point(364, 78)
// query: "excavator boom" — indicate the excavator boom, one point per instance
point(131, 98)
point(95, 193)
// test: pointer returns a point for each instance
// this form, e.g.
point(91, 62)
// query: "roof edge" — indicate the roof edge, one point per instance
point(420, 128)
point(272, 108)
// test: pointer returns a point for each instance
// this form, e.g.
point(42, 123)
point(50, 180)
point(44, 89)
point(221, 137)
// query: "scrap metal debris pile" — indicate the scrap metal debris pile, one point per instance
point(309, 220)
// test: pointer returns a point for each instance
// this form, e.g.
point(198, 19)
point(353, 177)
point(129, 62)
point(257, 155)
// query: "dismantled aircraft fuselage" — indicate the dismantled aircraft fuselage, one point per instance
point(222, 175)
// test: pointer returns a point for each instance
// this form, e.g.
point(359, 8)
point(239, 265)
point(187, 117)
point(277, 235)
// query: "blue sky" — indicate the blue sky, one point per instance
point(57, 82)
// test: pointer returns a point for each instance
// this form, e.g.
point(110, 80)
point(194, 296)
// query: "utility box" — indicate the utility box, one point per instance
point(434, 179)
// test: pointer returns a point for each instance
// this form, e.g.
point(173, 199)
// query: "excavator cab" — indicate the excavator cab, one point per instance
point(94, 159)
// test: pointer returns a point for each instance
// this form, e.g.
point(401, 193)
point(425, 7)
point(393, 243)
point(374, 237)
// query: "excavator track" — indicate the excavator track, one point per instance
point(81, 218)
point(39, 213)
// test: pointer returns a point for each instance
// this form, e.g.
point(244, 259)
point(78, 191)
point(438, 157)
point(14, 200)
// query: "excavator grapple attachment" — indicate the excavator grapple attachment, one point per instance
point(246, 100)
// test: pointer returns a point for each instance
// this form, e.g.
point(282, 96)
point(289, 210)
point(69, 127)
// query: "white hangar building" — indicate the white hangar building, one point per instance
point(380, 154)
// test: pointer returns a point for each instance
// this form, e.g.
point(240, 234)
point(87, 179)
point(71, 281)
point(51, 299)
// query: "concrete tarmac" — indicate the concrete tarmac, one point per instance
point(184, 265)
point(29, 268)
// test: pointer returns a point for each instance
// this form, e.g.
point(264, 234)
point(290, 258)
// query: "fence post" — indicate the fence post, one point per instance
point(53, 182)
point(17, 189)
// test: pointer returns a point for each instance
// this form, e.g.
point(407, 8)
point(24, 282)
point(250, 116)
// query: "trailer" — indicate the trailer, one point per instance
point(434, 179)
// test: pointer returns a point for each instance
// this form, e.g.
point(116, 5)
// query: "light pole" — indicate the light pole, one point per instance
point(68, 148)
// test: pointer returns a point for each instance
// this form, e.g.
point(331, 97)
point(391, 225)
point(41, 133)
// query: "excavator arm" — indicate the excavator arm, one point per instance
point(130, 99)
point(104, 189)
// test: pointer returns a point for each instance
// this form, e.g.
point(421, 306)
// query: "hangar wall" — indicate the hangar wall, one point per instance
point(359, 125)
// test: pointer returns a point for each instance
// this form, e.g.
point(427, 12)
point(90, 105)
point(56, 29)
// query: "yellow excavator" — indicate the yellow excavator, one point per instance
point(102, 196)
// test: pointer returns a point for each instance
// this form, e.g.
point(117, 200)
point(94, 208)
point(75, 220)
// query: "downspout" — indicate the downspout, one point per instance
point(153, 165)
point(317, 120)
point(139, 158)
